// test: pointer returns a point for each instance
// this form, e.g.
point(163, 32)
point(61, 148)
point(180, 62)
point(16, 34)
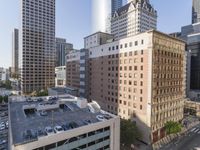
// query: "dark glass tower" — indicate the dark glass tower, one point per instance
point(195, 11)
point(116, 4)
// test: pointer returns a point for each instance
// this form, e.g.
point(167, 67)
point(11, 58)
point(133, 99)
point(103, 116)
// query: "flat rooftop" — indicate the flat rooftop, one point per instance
point(34, 114)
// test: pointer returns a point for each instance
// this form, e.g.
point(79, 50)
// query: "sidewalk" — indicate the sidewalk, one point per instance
point(170, 138)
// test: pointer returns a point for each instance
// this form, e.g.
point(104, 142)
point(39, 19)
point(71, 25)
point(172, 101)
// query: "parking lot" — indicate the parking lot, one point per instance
point(3, 126)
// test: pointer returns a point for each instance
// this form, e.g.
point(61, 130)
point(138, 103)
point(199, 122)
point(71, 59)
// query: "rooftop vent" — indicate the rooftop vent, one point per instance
point(94, 107)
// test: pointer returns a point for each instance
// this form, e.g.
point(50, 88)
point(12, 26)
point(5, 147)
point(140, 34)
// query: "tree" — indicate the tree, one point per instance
point(1, 99)
point(40, 93)
point(5, 99)
point(129, 134)
point(6, 84)
point(172, 127)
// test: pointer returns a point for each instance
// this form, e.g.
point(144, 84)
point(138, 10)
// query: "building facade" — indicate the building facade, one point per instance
point(62, 48)
point(60, 76)
point(73, 69)
point(116, 4)
point(4, 74)
point(191, 34)
point(15, 51)
point(135, 17)
point(78, 128)
point(97, 39)
point(195, 11)
point(140, 78)
point(37, 45)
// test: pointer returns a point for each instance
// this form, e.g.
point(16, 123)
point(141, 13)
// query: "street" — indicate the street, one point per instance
point(189, 141)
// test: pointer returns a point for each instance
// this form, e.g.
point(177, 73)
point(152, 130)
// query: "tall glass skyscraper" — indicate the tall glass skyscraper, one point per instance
point(101, 14)
point(116, 4)
point(195, 11)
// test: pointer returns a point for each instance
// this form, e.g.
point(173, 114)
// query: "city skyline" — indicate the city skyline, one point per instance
point(66, 28)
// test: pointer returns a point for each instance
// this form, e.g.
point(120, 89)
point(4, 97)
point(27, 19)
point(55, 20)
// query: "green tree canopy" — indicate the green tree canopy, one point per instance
point(129, 133)
point(172, 127)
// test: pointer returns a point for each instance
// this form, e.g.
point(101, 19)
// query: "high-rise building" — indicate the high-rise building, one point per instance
point(135, 17)
point(142, 78)
point(116, 4)
point(62, 48)
point(73, 69)
point(15, 51)
point(101, 13)
point(37, 45)
point(195, 11)
point(67, 123)
point(191, 34)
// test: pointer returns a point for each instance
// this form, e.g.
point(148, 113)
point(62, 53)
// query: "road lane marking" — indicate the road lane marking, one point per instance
point(193, 129)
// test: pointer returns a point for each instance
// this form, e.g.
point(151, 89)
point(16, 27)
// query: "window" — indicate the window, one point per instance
point(126, 45)
point(142, 60)
point(136, 43)
point(130, 44)
point(140, 107)
point(141, 67)
point(142, 52)
point(141, 75)
point(135, 67)
point(142, 41)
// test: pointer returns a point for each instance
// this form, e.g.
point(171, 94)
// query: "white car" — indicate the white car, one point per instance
point(100, 118)
point(6, 124)
point(2, 142)
point(2, 126)
point(58, 129)
point(49, 130)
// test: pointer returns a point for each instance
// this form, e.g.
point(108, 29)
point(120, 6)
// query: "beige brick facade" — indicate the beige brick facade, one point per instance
point(140, 78)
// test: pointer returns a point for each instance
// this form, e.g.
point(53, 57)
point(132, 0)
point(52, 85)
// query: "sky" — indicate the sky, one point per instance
point(73, 21)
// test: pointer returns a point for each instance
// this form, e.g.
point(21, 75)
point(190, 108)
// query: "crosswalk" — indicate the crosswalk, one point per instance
point(195, 130)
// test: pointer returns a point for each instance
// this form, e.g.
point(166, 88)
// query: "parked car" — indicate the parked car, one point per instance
point(2, 142)
point(49, 130)
point(2, 126)
point(58, 129)
point(43, 113)
point(6, 124)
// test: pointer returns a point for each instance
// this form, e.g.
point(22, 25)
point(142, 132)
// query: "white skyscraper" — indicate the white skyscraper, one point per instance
point(101, 12)
point(15, 51)
point(37, 45)
point(135, 17)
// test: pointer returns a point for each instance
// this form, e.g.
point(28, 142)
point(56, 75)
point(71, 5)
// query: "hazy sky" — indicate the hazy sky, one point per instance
point(73, 21)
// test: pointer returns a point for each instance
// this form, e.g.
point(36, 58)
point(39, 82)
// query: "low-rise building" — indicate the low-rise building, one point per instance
point(62, 91)
point(192, 107)
point(4, 74)
point(61, 123)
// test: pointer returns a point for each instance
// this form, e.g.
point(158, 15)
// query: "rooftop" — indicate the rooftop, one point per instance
point(30, 116)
